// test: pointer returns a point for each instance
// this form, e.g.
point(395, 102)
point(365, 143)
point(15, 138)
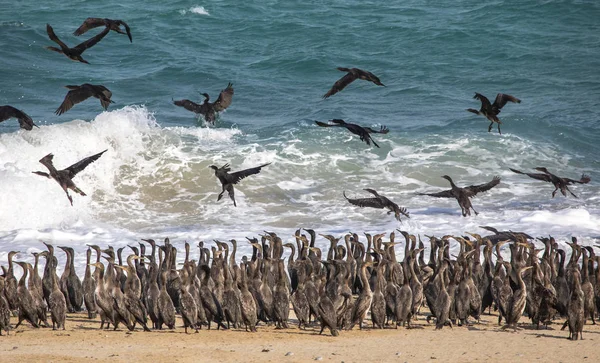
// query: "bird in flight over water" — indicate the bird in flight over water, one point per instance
point(379, 201)
point(463, 195)
point(228, 179)
point(363, 132)
point(209, 109)
point(25, 122)
point(491, 110)
point(114, 25)
point(558, 182)
point(75, 52)
point(351, 75)
point(65, 176)
point(81, 93)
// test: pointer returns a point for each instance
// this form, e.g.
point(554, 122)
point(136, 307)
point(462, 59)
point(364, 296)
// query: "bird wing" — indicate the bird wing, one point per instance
point(543, 177)
point(104, 101)
point(73, 97)
point(92, 41)
point(485, 103)
point(323, 124)
point(382, 130)
point(340, 84)
point(234, 178)
point(188, 105)
point(474, 189)
point(584, 179)
point(80, 165)
point(224, 99)
point(365, 202)
point(502, 99)
point(54, 38)
point(368, 76)
point(89, 23)
point(127, 30)
point(442, 194)
point(25, 121)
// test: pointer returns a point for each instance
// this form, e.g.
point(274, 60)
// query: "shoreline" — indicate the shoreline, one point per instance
point(83, 340)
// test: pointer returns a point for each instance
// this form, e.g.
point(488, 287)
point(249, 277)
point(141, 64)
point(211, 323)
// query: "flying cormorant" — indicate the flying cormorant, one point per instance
point(115, 25)
point(490, 110)
point(81, 93)
point(353, 74)
point(462, 195)
point(75, 52)
point(558, 182)
point(25, 122)
point(379, 201)
point(229, 179)
point(65, 176)
point(363, 132)
point(208, 109)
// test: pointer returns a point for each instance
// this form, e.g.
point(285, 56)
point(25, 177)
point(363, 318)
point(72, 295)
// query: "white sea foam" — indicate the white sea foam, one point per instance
point(200, 10)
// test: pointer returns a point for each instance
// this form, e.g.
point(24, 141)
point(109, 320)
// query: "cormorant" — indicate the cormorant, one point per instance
point(516, 303)
point(462, 195)
point(75, 52)
point(57, 304)
point(351, 75)
point(25, 122)
point(115, 25)
point(379, 201)
point(558, 182)
point(65, 176)
point(576, 312)
point(363, 132)
point(228, 180)
point(4, 310)
point(490, 110)
point(27, 308)
point(72, 288)
point(89, 286)
point(208, 109)
point(81, 93)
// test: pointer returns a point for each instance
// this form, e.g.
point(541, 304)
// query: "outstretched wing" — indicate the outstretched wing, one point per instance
point(340, 84)
point(443, 194)
point(584, 179)
point(234, 178)
point(365, 202)
point(189, 105)
point(368, 76)
point(54, 38)
point(543, 177)
point(224, 99)
point(127, 30)
point(502, 99)
point(474, 189)
point(382, 130)
point(89, 23)
point(73, 97)
point(80, 165)
point(92, 41)
point(485, 103)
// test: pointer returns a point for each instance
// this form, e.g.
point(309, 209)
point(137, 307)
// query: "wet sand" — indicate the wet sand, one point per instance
point(486, 341)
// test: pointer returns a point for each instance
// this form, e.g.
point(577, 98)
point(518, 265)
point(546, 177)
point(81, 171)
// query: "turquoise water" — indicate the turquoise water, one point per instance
point(281, 57)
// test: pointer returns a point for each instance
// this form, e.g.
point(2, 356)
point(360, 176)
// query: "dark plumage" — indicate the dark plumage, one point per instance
point(379, 201)
point(353, 74)
point(229, 179)
point(490, 110)
point(209, 109)
point(462, 195)
point(81, 93)
point(115, 25)
point(25, 122)
point(75, 52)
point(363, 132)
point(558, 182)
point(65, 177)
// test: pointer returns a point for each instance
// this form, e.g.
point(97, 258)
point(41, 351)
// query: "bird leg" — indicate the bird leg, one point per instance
point(500, 132)
point(490, 127)
point(474, 210)
point(554, 192)
point(569, 190)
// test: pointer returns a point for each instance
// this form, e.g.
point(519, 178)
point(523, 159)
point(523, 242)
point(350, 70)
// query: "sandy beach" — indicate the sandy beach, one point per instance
point(485, 341)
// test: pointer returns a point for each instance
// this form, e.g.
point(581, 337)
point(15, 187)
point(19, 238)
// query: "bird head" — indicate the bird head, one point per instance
point(447, 178)
point(78, 58)
point(214, 167)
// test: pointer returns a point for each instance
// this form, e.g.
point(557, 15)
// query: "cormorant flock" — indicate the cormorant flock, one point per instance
point(337, 292)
